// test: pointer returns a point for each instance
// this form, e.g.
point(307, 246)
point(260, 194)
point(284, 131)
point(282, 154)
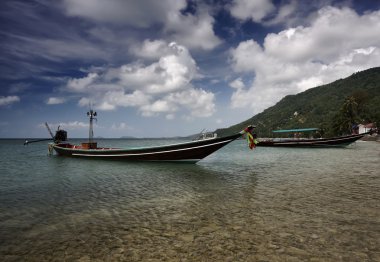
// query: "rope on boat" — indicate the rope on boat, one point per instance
point(50, 149)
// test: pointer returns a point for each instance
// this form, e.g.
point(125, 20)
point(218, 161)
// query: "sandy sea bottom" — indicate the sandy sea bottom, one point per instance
point(236, 205)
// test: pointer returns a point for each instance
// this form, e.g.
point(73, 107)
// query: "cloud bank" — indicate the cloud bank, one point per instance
point(300, 58)
point(161, 87)
point(194, 30)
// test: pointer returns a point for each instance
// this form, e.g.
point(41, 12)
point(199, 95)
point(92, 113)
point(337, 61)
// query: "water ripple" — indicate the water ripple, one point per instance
point(236, 205)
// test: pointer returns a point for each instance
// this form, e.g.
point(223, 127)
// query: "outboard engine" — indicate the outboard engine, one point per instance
point(60, 136)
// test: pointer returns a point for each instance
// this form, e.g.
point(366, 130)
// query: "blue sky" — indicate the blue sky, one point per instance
point(171, 67)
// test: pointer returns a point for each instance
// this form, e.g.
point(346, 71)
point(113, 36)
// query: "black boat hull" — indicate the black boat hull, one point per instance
point(187, 152)
point(326, 142)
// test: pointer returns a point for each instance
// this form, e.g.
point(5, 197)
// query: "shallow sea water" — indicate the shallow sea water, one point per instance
point(236, 205)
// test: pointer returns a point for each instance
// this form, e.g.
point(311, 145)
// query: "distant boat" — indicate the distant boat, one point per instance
point(191, 152)
point(341, 141)
point(205, 135)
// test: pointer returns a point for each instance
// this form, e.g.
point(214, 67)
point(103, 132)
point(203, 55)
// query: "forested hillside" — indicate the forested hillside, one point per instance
point(332, 107)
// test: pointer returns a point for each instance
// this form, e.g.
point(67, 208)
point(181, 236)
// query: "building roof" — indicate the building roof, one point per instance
point(370, 125)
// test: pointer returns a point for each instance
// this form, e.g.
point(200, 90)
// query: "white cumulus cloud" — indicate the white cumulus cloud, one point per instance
point(161, 87)
point(80, 84)
point(200, 102)
point(173, 71)
point(251, 9)
point(237, 83)
point(55, 100)
point(285, 14)
point(7, 100)
point(193, 31)
point(338, 42)
point(152, 49)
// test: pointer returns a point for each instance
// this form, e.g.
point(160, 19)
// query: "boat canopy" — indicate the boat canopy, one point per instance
point(295, 130)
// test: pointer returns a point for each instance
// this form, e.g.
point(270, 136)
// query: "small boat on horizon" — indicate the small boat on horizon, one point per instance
point(190, 152)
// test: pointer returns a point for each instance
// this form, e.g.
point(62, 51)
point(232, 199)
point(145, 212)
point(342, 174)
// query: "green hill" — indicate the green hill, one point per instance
point(320, 107)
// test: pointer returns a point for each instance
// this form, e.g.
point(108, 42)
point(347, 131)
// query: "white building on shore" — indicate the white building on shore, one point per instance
point(366, 128)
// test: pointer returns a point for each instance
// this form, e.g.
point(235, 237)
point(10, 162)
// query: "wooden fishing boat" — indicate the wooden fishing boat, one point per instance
point(192, 151)
point(341, 141)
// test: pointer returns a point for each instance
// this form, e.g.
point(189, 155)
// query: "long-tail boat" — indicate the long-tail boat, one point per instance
point(192, 151)
point(341, 141)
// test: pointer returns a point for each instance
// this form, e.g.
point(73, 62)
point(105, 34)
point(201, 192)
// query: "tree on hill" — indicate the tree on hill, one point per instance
point(347, 116)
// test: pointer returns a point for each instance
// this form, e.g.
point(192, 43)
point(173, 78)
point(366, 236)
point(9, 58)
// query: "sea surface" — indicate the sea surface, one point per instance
point(236, 205)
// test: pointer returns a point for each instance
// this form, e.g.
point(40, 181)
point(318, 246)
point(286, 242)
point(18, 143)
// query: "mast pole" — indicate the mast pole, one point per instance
point(92, 115)
point(91, 131)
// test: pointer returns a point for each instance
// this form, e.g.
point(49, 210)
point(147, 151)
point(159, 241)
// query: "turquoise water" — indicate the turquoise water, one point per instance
point(236, 205)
